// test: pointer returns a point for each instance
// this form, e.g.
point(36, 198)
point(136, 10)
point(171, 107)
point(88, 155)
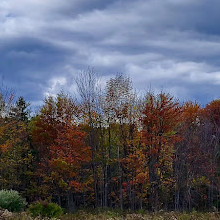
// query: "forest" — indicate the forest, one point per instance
point(108, 147)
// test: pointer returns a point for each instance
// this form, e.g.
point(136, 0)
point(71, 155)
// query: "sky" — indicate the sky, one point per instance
point(168, 45)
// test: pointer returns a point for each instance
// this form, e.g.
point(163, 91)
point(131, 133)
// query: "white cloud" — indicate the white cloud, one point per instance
point(55, 86)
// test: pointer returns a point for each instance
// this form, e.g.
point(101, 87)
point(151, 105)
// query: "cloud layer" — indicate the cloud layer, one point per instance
point(163, 44)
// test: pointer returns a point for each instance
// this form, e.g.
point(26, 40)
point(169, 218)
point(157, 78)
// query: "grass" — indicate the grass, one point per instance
point(114, 215)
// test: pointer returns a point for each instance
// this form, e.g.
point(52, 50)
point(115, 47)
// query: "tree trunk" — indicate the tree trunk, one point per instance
point(154, 184)
point(71, 202)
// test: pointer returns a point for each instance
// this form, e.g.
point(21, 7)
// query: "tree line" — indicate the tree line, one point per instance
point(111, 148)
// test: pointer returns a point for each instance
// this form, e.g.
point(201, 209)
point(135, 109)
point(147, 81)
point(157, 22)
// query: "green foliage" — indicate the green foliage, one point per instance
point(11, 200)
point(35, 209)
point(45, 209)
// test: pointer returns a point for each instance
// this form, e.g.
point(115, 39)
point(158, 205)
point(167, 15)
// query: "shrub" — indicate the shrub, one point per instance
point(36, 209)
point(45, 209)
point(11, 200)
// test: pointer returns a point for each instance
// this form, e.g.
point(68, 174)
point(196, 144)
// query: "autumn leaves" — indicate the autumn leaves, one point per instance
point(113, 149)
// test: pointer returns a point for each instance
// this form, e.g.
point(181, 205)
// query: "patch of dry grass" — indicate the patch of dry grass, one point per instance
point(111, 215)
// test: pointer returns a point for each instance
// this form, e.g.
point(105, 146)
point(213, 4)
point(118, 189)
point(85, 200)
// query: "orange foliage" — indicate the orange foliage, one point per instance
point(161, 118)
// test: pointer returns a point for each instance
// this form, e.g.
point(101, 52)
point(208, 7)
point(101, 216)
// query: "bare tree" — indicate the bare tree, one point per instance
point(87, 85)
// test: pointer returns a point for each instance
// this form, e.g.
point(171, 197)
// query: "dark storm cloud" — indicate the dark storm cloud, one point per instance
point(163, 44)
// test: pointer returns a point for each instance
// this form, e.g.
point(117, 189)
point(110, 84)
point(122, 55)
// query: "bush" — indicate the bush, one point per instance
point(45, 209)
point(11, 200)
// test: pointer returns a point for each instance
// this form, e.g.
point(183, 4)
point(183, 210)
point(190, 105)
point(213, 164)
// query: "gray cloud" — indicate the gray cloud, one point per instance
point(163, 44)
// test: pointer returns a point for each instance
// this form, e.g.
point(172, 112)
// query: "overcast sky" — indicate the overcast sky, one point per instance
point(169, 45)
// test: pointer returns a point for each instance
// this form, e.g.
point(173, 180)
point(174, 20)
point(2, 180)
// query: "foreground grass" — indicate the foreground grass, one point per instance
point(112, 215)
